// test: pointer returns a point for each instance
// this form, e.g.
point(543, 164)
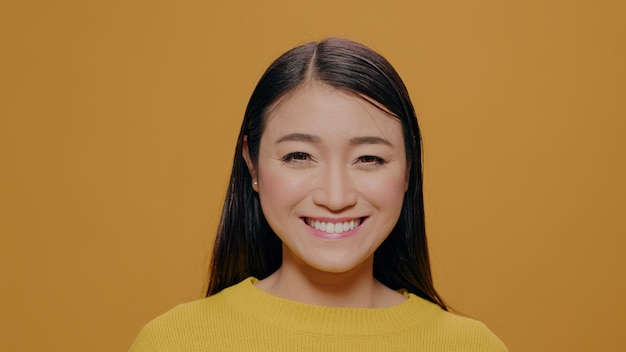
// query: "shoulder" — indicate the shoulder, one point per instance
point(197, 325)
point(465, 334)
point(184, 323)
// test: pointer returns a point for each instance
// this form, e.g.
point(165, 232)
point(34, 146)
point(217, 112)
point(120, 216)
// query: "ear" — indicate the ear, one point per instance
point(246, 156)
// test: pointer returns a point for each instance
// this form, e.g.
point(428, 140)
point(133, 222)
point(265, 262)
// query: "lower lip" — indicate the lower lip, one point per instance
point(334, 236)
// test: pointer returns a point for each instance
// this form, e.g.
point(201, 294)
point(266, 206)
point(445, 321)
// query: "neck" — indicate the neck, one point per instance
point(355, 288)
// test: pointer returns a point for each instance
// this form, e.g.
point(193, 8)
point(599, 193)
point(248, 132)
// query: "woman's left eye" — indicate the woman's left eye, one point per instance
point(370, 159)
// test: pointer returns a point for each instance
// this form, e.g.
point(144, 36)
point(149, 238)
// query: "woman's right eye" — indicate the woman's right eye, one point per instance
point(296, 157)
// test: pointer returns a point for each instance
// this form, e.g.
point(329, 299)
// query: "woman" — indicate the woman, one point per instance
point(321, 245)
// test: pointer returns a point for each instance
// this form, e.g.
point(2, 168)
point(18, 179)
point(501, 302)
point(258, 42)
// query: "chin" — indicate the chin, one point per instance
point(336, 265)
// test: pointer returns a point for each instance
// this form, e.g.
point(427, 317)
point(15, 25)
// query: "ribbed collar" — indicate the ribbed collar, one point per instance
point(320, 320)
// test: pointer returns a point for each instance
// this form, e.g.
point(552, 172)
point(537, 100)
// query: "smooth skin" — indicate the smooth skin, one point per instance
point(330, 156)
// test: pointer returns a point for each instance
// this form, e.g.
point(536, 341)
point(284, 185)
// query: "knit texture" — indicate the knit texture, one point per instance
point(245, 318)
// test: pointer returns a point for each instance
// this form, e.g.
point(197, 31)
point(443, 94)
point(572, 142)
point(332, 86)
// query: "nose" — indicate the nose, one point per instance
point(335, 189)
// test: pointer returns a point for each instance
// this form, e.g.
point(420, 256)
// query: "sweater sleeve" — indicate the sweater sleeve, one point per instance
point(462, 334)
point(150, 339)
point(164, 333)
point(487, 341)
point(475, 336)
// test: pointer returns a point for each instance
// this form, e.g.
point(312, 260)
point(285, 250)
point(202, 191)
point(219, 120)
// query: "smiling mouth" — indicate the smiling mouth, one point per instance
point(334, 227)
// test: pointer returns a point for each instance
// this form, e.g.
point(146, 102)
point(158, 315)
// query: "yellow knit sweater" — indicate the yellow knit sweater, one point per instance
point(245, 318)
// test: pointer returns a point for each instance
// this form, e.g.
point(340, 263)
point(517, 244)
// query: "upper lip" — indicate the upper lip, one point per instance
point(334, 220)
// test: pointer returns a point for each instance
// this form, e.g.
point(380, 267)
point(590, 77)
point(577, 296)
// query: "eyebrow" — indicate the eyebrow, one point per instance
point(303, 137)
point(369, 140)
point(299, 137)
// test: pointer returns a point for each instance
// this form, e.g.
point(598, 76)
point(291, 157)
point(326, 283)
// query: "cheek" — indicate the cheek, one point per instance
point(386, 191)
point(280, 189)
point(391, 199)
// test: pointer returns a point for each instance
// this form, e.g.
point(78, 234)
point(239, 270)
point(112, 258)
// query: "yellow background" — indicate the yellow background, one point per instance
point(118, 122)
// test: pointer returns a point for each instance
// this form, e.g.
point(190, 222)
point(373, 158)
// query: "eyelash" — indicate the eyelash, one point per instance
point(297, 157)
point(370, 161)
point(374, 160)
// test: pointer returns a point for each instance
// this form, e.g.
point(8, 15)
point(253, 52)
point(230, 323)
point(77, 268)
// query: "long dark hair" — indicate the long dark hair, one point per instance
point(247, 246)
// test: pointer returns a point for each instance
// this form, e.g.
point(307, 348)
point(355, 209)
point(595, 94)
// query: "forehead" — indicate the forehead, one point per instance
point(319, 109)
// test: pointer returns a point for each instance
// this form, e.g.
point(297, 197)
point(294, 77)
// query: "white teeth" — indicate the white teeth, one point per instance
point(330, 227)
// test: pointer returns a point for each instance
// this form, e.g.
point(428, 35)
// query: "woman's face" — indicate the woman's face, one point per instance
point(331, 176)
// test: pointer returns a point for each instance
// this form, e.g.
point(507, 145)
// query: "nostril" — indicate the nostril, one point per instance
point(335, 200)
